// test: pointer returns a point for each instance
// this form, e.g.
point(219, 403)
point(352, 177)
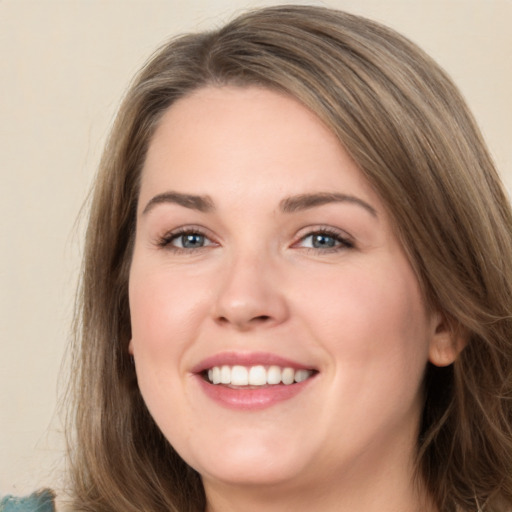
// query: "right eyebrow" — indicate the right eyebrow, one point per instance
point(200, 203)
point(306, 201)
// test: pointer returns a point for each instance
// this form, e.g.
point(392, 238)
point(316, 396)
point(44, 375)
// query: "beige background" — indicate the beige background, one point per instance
point(63, 68)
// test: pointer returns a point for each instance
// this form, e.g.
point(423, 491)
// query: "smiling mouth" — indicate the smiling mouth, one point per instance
point(257, 376)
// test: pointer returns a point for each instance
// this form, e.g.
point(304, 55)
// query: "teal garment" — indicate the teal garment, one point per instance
point(42, 501)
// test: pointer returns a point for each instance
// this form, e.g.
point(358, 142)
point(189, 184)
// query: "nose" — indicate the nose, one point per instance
point(250, 295)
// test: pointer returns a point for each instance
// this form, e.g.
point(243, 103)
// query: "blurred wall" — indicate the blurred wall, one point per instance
point(63, 68)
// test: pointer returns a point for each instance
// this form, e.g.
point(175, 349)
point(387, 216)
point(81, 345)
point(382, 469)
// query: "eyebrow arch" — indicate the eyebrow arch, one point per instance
point(200, 203)
point(306, 201)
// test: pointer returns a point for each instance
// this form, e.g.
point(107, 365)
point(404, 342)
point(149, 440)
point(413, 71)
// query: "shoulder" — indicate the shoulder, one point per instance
point(41, 501)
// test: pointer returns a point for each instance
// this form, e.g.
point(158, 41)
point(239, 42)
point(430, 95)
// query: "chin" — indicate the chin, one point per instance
point(248, 463)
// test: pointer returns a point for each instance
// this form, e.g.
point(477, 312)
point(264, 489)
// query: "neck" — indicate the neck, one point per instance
point(379, 477)
point(387, 489)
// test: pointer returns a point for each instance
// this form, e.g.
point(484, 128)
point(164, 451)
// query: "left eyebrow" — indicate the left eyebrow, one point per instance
point(200, 203)
point(306, 201)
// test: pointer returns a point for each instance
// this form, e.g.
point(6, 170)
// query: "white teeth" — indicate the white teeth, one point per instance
point(288, 376)
point(239, 376)
point(256, 375)
point(301, 375)
point(274, 375)
point(225, 375)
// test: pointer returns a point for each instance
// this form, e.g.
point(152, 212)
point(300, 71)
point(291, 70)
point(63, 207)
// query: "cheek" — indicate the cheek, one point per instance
point(164, 319)
point(164, 308)
point(372, 322)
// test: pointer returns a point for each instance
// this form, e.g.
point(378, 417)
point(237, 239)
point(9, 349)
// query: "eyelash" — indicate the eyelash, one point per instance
point(166, 241)
point(342, 241)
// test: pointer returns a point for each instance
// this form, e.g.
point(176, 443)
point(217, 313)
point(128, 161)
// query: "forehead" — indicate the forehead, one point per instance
point(229, 138)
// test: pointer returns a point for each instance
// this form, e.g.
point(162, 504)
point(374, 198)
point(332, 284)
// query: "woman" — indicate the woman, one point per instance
point(297, 282)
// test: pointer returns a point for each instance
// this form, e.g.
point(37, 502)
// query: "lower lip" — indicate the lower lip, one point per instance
point(251, 398)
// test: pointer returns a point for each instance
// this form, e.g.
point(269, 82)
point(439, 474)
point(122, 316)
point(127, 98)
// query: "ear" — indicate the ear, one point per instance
point(130, 348)
point(446, 343)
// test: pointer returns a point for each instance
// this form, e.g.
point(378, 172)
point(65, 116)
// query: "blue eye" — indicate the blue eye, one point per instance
point(321, 241)
point(190, 240)
point(185, 240)
point(325, 240)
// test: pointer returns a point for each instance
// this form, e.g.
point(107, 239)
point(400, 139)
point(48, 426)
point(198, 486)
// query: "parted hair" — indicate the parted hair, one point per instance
point(406, 126)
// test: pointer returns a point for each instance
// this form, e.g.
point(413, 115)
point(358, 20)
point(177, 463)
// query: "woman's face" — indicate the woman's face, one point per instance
point(261, 256)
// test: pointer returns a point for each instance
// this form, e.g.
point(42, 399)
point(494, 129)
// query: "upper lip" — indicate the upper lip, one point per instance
point(248, 359)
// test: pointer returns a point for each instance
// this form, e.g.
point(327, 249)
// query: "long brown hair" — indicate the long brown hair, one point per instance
point(407, 127)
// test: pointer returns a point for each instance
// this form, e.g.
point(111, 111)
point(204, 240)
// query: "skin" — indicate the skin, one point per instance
point(256, 282)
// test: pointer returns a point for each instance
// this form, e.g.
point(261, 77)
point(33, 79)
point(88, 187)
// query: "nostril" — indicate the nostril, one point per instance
point(261, 318)
point(255, 320)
